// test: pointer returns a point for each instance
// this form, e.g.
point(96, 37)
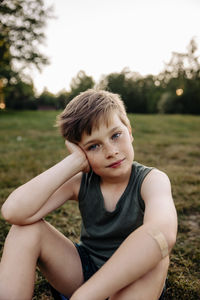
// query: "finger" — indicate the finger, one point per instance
point(71, 147)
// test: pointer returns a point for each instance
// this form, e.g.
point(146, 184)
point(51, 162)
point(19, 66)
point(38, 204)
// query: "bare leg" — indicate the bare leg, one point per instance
point(58, 259)
point(149, 286)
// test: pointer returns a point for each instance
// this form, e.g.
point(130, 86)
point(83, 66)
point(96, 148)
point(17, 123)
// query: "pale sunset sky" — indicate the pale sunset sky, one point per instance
point(105, 36)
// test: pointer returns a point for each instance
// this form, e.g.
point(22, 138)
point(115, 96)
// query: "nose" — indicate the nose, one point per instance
point(110, 150)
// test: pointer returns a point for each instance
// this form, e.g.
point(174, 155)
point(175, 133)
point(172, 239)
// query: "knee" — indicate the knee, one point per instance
point(149, 286)
point(26, 234)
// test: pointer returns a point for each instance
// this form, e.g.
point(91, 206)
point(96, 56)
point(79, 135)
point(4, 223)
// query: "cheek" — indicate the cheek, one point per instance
point(128, 147)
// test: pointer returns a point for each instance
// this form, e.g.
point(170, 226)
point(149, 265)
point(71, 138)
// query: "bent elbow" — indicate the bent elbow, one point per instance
point(171, 240)
point(3, 213)
point(6, 213)
point(165, 239)
point(10, 208)
point(10, 215)
point(172, 234)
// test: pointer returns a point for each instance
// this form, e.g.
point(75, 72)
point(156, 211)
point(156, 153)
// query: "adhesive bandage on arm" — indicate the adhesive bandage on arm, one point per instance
point(160, 239)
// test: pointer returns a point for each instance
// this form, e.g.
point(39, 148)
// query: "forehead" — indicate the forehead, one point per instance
point(103, 126)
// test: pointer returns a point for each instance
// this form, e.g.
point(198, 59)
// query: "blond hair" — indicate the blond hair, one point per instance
point(84, 112)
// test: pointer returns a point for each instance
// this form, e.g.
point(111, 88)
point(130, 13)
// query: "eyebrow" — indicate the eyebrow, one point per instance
point(96, 140)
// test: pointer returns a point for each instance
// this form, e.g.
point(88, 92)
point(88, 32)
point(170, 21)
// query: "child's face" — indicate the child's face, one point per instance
point(109, 149)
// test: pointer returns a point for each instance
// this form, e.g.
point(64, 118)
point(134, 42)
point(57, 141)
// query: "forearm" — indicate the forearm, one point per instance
point(28, 199)
point(137, 255)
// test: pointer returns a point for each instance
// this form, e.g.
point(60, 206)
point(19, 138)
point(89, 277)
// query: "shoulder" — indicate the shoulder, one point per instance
point(156, 183)
point(156, 175)
point(140, 171)
point(159, 205)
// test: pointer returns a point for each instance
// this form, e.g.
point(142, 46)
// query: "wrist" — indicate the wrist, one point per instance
point(80, 296)
point(80, 162)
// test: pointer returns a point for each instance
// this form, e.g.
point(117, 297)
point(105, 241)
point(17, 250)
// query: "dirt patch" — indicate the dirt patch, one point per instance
point(192, 222)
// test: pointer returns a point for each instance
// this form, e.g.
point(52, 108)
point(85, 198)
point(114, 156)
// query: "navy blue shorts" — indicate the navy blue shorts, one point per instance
point(89, 268)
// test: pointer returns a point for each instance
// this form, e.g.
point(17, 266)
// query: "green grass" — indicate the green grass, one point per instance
point(29, 144)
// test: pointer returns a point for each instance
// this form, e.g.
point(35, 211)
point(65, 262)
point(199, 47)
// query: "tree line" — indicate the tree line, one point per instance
point(174, 90)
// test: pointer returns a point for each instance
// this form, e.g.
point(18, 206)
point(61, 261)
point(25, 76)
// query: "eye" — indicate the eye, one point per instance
point(116, 135)
point(93, 147)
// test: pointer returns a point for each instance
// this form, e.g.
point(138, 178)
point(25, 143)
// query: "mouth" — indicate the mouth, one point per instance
point(116, 163)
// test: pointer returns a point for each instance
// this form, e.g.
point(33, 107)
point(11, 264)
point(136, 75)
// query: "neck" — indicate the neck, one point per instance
point(121, 180)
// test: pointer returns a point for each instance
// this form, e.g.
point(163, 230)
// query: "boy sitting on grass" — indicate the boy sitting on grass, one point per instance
point(129, 221)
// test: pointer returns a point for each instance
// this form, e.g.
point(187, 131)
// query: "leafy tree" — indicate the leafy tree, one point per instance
point(149, 94)
point(22, 25)
point(22, 32)
point(180, 81)
point(80, 83)
point(127, 85)
point(47, 100)
point(20, 96)
point(5, 60)
point(183, 65)
point(62, 99)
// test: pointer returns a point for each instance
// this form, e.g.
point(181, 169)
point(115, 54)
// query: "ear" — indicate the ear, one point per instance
point(130, 133)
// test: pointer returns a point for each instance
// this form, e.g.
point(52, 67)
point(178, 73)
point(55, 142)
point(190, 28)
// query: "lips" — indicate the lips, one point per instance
point(116, 163)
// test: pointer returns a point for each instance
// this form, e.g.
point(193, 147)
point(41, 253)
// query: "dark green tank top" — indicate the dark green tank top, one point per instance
point(102, 231)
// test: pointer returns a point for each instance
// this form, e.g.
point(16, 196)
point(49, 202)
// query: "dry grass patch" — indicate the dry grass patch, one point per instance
point(30, 144)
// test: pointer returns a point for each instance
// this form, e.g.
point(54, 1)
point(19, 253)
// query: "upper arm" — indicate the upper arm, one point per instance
point(67, 191)
point(159, 205)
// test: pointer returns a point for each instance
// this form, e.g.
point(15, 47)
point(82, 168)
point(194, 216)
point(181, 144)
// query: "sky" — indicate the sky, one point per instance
point(105, 36)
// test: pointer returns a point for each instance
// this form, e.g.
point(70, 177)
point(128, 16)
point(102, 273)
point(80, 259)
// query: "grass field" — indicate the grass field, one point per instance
point(29, 144)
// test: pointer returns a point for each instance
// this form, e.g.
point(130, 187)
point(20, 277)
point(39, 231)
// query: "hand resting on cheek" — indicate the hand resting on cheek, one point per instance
point(74, 148)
